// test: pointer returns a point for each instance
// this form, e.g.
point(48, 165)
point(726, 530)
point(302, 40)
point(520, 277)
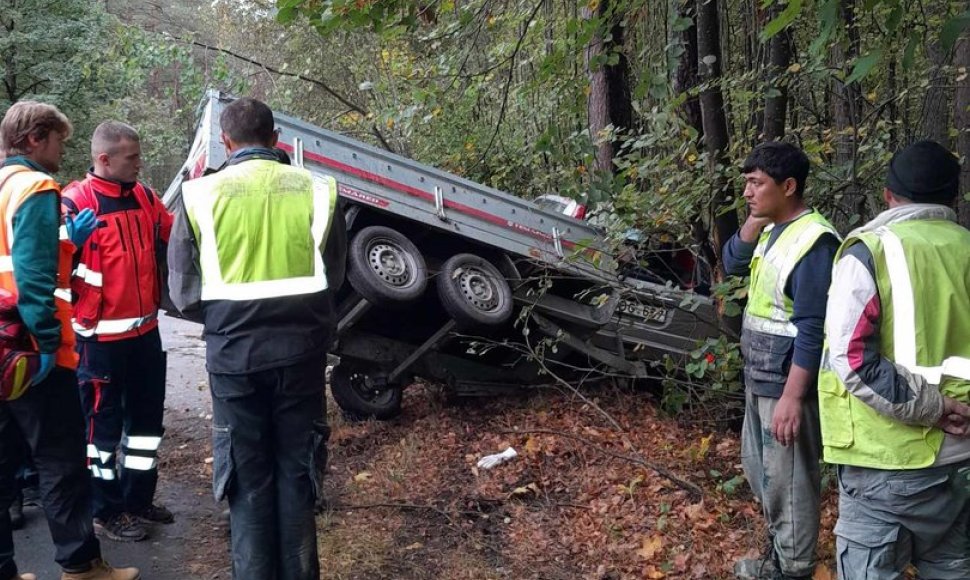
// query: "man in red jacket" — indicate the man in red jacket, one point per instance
point(122, 367)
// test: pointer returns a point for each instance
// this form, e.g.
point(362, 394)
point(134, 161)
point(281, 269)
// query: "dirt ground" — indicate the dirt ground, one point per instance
point(580, 501)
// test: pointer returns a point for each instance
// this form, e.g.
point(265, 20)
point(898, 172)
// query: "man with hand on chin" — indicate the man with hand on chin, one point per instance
point(787, 249)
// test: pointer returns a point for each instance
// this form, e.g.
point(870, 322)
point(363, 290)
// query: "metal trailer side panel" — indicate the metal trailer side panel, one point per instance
point(443, 201)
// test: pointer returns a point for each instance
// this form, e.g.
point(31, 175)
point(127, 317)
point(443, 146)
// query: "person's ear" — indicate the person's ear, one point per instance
point(887, 196)
point(274, 140)
point(226, 142)
point(104, 159)
point(791, 186)
point(33, 142)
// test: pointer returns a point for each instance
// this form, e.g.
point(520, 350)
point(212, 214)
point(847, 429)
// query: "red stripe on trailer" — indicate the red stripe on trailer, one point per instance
point(404, 188)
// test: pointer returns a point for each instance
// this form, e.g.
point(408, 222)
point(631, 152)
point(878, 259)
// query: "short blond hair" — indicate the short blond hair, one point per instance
point(26, 118)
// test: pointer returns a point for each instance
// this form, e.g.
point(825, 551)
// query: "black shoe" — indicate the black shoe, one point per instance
point(120, 528)
point(155, 514)
point(31, 496)
point(17, 512)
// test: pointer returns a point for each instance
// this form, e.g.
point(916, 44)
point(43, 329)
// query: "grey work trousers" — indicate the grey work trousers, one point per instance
point(786, 480)
point(890, 519)
point(266, 443)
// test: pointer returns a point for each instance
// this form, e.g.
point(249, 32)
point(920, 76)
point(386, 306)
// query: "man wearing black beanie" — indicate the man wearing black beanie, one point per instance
point(895, 382)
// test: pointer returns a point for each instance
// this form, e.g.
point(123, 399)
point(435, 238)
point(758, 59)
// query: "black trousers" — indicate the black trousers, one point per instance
point(48, 417)
point(123, 396)
point(269, 436)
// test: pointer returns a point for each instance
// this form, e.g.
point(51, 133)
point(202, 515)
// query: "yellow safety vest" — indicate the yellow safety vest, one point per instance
point(923, 278)
point(261, 227)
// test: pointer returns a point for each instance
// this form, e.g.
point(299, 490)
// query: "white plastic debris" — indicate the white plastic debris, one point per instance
point(490, 461)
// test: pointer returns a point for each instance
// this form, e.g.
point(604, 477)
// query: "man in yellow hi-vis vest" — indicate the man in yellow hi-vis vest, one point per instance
point(787, 248)
point(896, 379)
point(256, 252)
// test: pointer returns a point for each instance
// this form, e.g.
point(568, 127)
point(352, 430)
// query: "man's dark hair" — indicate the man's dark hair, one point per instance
point(248, 122)
point(780, 161)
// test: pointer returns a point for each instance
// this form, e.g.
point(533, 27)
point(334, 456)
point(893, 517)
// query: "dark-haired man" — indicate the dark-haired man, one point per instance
point(122, 368)
point(787, 249)
point(895, 382)
point(255, 251)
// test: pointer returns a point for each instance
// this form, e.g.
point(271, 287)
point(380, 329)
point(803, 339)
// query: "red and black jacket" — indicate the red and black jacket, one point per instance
point(116, 281)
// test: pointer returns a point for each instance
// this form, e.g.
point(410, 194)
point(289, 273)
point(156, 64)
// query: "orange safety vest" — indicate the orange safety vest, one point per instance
point(17, 183)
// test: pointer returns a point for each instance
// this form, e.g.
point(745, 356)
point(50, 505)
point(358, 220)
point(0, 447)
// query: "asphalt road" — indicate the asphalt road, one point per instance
point(188, 412)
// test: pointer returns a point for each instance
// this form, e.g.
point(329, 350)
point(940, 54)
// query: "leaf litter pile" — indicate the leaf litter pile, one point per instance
point(659, 499)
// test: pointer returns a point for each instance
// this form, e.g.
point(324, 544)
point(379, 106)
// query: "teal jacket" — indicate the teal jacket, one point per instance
point(34, 255)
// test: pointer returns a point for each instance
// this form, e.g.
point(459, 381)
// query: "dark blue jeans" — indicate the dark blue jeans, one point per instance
point(48, 416)
point(122, 386)
point(265, 445)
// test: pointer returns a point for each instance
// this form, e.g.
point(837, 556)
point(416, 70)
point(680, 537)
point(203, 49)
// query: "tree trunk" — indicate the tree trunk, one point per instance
point(935, 120)
point(714, 119)
point(847, 113)
point(779, 59)
point(609, 101)
point(685, 76)
point(961, 117)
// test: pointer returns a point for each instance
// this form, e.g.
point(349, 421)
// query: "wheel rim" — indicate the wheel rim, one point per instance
point(480, 289)
point(359, 383)
point(391, 263)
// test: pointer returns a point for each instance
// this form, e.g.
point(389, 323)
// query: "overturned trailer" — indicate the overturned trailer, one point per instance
point(458, 282)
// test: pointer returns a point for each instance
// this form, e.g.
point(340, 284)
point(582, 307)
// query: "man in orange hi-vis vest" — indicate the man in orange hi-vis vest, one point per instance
point(36, 252)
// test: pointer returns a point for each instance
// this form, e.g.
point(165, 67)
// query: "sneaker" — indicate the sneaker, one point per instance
point(25, 577)
point(120, 528)
point(101, 570)
point(17, 512)
point(155, 514)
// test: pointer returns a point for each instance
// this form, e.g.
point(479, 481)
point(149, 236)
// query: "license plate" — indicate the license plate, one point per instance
point(644, 311)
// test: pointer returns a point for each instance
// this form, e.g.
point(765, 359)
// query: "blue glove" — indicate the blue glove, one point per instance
point(46, 366)
point(80, 226)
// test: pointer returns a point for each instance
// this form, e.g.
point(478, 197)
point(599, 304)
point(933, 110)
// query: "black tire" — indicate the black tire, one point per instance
point(358, 400)
point(474, 292)
point(385, 267)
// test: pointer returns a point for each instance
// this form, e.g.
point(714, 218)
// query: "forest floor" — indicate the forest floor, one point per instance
point(580, 501)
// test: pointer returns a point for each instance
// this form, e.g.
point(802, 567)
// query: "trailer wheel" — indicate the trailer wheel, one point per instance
point(385, 267)
point(360, 399)
point(474, 292)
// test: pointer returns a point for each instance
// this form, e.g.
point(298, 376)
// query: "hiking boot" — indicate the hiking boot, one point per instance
point(762, 569)
point(101, 570)
point(17, 512)
point(757, 569)
point(155, 514)
point(120, 528)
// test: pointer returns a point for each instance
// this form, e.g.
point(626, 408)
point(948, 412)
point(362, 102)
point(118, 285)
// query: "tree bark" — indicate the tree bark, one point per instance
point(686, 74)
point(848, 107)
point(935, 120)
point(779, 59)
point(716, 138)
point(961, 117)
point(598, 102)
point(609, 101)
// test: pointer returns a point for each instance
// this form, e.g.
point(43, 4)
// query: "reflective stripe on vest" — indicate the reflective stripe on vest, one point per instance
point(6, 266)
point(929, 337)
point(904, 317)
point(202, 198)
point(107, 326)
point(769, 309)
